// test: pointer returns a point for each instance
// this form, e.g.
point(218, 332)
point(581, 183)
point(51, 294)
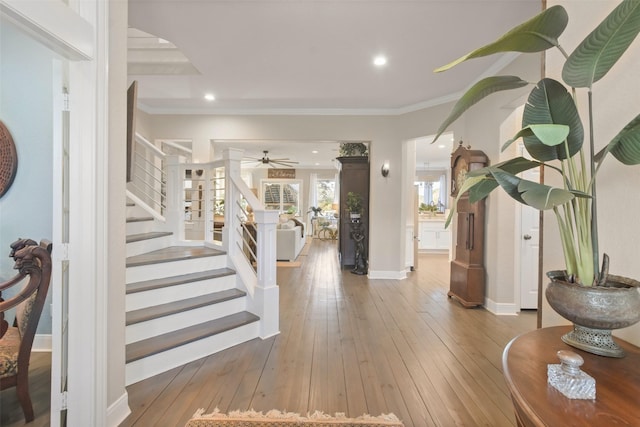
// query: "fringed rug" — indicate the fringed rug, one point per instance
point(275, 418)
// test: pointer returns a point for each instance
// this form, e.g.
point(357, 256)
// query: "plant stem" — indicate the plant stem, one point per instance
point(594, 207)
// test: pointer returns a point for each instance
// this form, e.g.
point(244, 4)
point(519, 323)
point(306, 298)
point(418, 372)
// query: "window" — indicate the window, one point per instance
point(325, 194)
point(281, 195)
point(433, 192)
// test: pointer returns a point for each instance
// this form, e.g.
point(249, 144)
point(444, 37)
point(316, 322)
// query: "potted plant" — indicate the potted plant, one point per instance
point(430, 208)
point(354, 205)
point(552, 133)
point(352, 149)
point(317, 210)
point(291, 211)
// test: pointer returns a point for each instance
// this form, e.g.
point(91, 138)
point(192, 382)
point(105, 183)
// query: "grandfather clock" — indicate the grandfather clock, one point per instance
point(467, 268)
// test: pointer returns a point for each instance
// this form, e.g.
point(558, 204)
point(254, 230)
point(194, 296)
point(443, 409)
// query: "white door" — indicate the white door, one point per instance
point(529, 249)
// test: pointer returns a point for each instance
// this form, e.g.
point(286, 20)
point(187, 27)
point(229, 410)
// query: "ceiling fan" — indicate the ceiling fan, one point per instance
point(265, 160)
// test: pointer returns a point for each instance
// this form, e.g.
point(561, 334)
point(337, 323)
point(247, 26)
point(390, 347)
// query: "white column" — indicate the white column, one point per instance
point(175, 197)
point(267, 295)
point(232, 158)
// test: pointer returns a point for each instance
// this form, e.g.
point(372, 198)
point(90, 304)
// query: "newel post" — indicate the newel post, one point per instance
point(175, 196)
point(267, 296)
point(230, 240)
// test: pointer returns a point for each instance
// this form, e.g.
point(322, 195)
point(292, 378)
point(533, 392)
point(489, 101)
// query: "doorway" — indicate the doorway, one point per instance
point(427, 195)
point(526, 235)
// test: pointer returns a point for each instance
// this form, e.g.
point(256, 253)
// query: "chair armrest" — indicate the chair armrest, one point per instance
point(11, 282)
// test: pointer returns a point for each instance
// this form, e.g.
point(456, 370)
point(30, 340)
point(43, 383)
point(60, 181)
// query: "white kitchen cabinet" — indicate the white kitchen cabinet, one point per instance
point(433, 235)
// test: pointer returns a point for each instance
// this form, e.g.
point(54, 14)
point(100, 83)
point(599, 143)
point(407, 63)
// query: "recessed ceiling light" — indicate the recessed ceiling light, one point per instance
point(317, 164)
point(209, 97)
point(315, 151)
point(441, 146)
point(380, 61)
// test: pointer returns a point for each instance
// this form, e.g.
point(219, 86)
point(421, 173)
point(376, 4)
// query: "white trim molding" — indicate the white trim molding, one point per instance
point(41, 343)
point(501, 308)
point(54, 24)
point(393, 275)
point(118, 411)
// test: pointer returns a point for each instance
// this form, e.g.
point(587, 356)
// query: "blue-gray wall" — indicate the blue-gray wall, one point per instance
point(26, 108)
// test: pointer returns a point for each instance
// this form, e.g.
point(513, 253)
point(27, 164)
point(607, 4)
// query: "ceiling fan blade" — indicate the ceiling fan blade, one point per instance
point(283, 164)
point(265, 160)
point(283, 161)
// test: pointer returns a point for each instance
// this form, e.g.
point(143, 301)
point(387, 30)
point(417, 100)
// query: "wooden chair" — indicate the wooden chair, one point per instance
point(15, 342)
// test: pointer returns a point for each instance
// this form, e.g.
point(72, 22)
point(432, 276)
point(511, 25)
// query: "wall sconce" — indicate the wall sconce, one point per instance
point(385, 169)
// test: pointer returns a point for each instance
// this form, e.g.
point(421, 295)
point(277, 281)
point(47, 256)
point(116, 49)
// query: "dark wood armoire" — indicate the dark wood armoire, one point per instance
point(467, 283)
point(354, 176)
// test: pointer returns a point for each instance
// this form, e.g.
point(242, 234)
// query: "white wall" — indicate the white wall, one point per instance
point(117, 211)
point(26, 108)
point(386, 225)
point(387, 135)
point(480, 128)
point(616, 102)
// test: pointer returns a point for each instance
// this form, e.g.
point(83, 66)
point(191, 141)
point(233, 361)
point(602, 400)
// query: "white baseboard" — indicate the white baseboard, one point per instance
point(393, 275)
point(118, 410)
point(501, 309)
point(41, 342)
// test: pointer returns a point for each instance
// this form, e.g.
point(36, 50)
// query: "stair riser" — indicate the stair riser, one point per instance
point(174, 268)
point(136, 211)
point(162, 325)
point(169, 294)
point(162, 362)
point(148, 245)
point(137, 227)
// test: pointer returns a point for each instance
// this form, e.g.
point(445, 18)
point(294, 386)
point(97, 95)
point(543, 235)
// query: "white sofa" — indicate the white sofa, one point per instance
point(289, 241)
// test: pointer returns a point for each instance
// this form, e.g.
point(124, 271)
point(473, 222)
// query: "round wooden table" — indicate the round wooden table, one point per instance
point(536, 403)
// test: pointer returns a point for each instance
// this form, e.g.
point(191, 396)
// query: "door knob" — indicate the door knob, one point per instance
point(527, 237)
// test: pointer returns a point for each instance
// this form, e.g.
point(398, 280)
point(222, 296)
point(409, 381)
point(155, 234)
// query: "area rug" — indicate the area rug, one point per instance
point(275, 418)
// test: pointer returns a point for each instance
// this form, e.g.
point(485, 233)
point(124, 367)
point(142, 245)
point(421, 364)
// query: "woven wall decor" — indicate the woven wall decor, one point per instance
point(8, 159)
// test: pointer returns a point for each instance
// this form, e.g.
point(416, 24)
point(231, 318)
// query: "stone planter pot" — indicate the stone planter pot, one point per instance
point(595, 311)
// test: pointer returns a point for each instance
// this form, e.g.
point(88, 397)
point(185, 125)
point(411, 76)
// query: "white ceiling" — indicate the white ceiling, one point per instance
point(311, 56)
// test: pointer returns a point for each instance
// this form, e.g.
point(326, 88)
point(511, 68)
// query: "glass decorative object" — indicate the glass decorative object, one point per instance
point(568, 379)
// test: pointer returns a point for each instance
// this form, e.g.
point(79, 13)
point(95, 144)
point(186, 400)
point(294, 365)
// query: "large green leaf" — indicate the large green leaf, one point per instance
point(479, 183)
point(513, 166)
point(626, 145)
point(538, 196)
point(542, 196)
point(535, 35)
point(601, 49)
point(550, 103)
point(477, 92)
point(509, 183)
point(550, 135)
point(482, 189)
point(468, 184)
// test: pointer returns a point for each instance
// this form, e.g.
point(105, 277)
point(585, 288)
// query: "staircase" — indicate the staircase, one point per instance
point(182, 302)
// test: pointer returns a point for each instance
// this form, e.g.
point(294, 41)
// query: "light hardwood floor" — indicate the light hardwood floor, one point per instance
point(348, 344)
